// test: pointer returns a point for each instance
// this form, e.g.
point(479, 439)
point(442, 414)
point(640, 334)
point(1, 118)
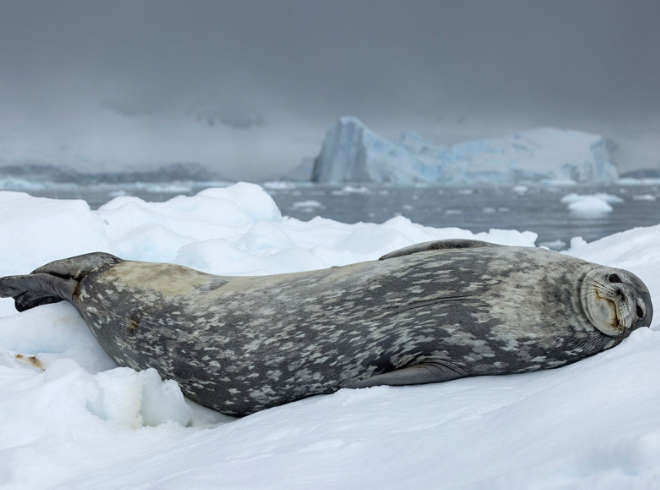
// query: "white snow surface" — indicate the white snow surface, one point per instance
point(352, 152)
point(71, 419)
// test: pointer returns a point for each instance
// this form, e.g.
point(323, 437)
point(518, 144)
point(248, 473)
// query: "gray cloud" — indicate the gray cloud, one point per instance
point(445, 66)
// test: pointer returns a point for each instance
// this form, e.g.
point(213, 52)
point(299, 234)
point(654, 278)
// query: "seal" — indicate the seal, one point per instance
point(427, 313)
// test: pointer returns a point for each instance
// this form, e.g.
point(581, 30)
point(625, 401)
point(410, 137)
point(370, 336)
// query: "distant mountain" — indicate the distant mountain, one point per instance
point(645, 173)
point(190, 172)
point(351, 152)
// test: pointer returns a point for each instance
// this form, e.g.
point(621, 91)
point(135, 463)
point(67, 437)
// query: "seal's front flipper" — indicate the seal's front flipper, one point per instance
point(53, 282)
point(413, 375)
point(451, 244)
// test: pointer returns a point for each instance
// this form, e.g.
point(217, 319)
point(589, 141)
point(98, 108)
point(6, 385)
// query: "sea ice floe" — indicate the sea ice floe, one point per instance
point(69, 418)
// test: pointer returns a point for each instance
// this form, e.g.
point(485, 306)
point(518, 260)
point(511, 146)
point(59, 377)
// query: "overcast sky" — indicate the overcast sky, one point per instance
point(251, 86)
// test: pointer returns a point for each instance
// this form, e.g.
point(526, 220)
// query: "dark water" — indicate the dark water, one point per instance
point(538, 209)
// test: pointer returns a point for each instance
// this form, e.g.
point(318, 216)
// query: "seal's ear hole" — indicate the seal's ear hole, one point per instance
point(613, 278)
point(640, 312)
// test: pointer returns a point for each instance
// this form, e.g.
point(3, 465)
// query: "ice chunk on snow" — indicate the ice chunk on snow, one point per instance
point(251, 198)
point(135, 399)
point(352, 152)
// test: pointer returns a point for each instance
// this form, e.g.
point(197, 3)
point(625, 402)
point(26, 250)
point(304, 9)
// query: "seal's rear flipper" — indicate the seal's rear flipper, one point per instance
point(80, 265)
point(53, 282)
point(36, 289)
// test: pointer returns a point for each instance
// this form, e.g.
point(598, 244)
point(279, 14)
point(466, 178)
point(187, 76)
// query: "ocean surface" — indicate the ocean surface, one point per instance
point(524, 208)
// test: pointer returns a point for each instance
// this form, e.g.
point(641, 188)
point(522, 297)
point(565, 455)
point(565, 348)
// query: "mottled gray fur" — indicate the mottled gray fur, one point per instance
point(428, 313)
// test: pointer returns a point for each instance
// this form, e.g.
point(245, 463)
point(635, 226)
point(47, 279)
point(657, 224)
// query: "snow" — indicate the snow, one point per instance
point(644, 197)
point(351, 152)
point(71, 419)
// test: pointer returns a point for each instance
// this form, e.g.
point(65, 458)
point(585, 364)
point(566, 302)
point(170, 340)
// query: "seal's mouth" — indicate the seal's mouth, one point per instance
point(616, 320)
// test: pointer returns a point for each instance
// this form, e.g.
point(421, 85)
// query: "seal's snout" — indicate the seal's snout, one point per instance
point(615, 301)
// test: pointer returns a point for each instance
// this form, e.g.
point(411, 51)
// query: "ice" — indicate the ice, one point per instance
point(352, 152)
point(309, 205)
point(137, 399)
point(278, 185)
point(167, 188)
point(349, 189)
point(631, 181)
point(608, 198)
point(22, 184)
point(554, 245)
point(644, 197)
point(590, 205)
point(70, 418)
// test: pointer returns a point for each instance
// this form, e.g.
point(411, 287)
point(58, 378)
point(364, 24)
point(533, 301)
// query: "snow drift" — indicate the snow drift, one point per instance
point(70, 419)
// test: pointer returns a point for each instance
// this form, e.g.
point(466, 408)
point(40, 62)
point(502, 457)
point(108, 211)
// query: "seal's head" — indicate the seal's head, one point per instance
point(615, 301)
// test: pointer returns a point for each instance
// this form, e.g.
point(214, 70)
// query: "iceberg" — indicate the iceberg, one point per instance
point(351, 152)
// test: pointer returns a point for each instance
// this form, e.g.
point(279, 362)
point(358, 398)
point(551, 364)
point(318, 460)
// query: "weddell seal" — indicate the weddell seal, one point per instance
point(427, 313)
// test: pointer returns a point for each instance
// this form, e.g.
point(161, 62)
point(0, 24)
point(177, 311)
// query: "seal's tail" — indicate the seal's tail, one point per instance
point(53, 282)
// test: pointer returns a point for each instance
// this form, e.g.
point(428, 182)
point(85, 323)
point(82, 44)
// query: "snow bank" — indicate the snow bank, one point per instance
point(351, 152)
point(35, 230)
point(69, 418)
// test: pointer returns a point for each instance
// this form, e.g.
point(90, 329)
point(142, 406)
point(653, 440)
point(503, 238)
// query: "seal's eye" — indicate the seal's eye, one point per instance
point(640, 312)
point(613, 278)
